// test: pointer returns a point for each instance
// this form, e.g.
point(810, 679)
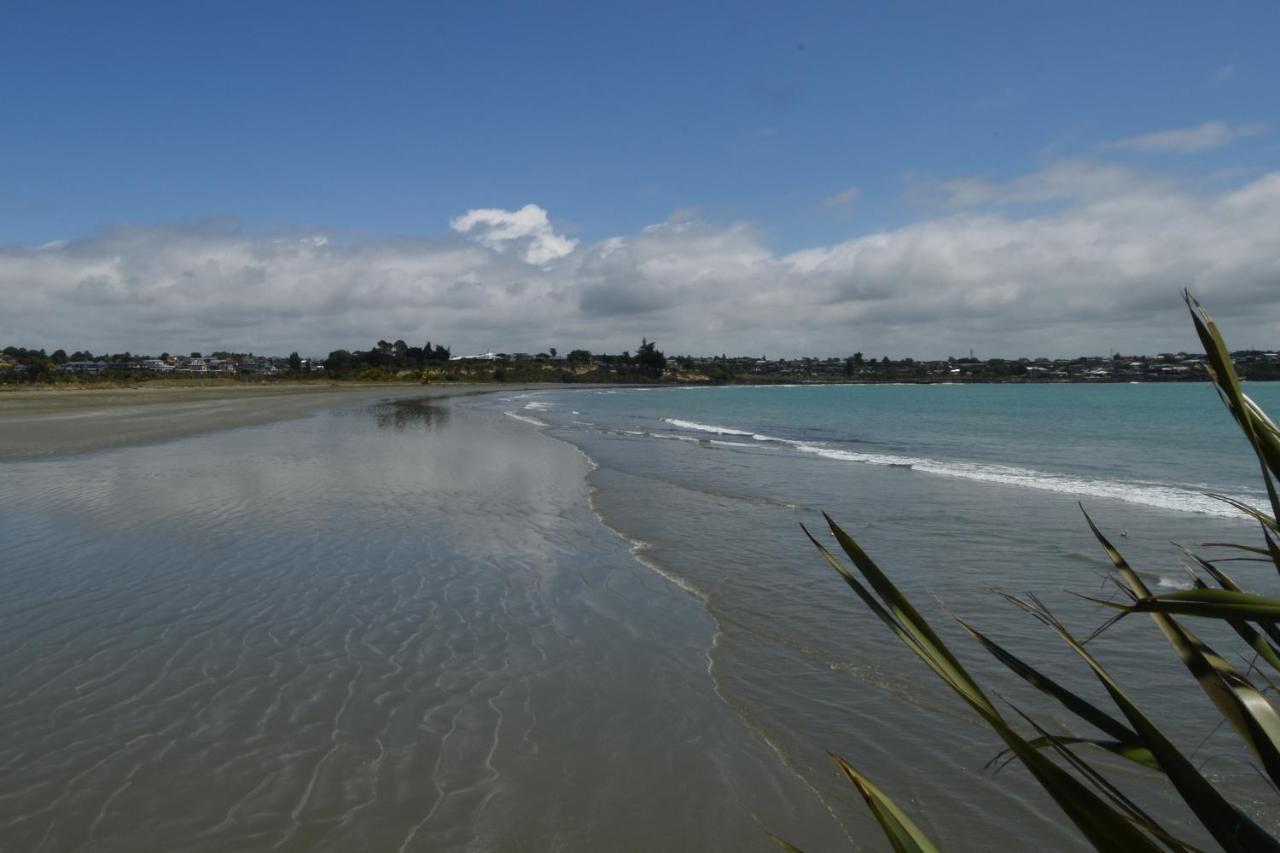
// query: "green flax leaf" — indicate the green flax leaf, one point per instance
point(902, 833)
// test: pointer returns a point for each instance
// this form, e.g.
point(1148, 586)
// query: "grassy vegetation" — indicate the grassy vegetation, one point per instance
point(1060, 763)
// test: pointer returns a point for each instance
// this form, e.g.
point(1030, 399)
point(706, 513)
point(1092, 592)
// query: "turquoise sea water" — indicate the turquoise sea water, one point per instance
point(958, 491)
point(1158, 445)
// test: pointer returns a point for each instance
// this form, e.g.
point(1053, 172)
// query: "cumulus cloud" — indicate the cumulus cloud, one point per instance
point(1099, 269)
point(528, 230)
point(1187, 140)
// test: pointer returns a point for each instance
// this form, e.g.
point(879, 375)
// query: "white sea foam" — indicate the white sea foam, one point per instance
point(1159, 495)
point(697, 427)
point(1174, 583)
point(538, 406)
point(1150, 494)
point(694, 426)
point(526, 419)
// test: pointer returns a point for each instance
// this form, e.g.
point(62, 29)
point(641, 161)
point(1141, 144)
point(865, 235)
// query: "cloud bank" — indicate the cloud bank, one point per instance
point(1100, 270)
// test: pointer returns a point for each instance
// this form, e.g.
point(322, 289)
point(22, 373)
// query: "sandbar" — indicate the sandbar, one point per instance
point(48, 422)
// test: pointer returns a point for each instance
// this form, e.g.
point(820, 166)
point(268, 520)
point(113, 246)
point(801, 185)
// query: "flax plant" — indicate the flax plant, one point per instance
point(1061, 764)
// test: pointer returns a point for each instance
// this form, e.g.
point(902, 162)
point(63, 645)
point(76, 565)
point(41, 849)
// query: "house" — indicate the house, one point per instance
point(86, 366)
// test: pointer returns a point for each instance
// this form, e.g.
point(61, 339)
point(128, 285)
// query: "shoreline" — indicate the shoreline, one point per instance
point(700, 598)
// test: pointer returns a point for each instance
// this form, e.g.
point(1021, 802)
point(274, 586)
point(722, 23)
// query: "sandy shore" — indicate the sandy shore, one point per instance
point(50, 422)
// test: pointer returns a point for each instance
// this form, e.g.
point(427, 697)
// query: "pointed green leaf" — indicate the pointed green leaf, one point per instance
point(1106, 829)
point(1232, 828)
point(904, 835)
point(1211, 604)
point(1252, 716)
point(1082, 708)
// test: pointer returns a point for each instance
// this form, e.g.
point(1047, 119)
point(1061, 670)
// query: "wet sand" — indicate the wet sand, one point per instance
point(390, 627)
point(47, 422)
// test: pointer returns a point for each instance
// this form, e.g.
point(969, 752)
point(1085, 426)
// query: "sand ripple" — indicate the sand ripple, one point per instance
point(355, 633)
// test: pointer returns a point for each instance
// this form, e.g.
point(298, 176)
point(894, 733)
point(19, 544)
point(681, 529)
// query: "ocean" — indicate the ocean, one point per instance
point(959, 491)
point(588, 619)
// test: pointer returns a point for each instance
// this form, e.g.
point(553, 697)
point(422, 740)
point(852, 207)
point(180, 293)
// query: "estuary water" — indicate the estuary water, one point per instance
point(959, 492)
point(585, 619)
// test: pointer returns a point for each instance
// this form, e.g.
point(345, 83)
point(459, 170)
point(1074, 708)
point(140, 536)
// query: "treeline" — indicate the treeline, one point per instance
point(385, 358)
point(36, 365)
point(647, 364)
point(59, 357)
point(384, 361)
point(397, 360)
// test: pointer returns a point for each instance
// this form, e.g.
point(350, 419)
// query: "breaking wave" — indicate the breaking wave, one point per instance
point(526, 419)
point(1163, 496)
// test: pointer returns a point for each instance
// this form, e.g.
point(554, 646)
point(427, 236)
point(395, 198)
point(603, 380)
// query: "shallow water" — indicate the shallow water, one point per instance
point(714, 482)
point(397, 627)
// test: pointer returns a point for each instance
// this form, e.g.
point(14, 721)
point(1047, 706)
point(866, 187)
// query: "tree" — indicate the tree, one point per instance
point(650, 359)
point(295, 363)
point(579, 356)
point(857, 359)
point(553, 352)
point(340, 362)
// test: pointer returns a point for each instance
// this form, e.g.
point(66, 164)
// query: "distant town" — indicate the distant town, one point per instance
point(397, 361)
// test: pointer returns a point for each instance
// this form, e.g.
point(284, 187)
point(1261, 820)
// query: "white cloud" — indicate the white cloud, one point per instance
point(1187, 140)
point(1100, 270)
point(843, 199)
point(528, 228)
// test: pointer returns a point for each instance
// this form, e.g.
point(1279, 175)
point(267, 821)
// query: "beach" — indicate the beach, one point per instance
point(50, 421)
point(395, 624)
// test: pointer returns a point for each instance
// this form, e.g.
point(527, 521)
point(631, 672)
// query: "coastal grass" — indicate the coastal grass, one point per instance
point(1060, 762)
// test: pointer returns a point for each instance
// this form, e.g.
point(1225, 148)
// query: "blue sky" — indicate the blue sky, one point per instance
point(810, 124)
point(390, 118)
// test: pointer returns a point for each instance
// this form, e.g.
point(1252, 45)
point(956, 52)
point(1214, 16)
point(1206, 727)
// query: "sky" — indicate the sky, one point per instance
point(903, 179)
